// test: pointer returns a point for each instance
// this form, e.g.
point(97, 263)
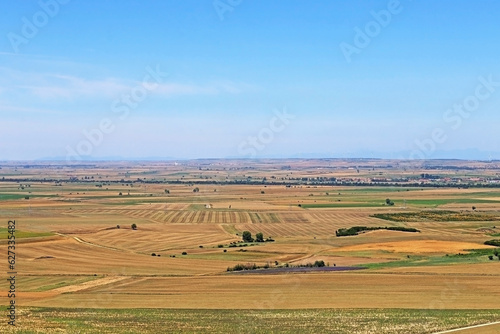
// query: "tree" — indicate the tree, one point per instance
point(167, 191)
point(388, 201)
point(247, 236)
point(134, 226)
point(319, 263)
point(195, 190)
point(259, 237)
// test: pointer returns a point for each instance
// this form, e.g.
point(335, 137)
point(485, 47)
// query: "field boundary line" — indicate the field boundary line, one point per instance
point(469, 327)
point(88, 243)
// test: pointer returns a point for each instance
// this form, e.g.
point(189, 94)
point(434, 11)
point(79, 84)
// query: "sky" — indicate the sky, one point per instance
point(84, 80)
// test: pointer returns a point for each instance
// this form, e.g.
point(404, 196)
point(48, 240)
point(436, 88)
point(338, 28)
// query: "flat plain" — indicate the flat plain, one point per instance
point(146, 246)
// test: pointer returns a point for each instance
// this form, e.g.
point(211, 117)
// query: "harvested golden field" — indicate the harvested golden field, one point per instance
point(418, 246)
point(121, 243)
point(292, 291)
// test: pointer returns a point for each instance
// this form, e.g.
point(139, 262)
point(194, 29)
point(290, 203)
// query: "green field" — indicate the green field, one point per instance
point(4, 233)
point(342, 205)
point(386, 321)
point(436, 216)
point(472, 257)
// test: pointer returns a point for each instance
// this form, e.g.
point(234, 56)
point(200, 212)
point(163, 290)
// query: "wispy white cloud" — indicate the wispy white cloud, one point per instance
point(173, 89)
point(69, 87)
point(55, 86)
point(11, 108)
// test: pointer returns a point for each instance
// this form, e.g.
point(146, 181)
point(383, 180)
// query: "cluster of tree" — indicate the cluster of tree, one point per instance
point(430, 176)
point(316, 264)
point(494, 242)
point(495, 253)
point(291, 181)
point(344, 232)
point(240, 267)
point(259, 237)
point(253, 266)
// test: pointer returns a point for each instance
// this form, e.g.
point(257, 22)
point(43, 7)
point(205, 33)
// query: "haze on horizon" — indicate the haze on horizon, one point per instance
point(249, 79)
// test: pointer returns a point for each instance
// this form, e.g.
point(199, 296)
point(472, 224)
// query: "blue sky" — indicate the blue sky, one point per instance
point(213, 79)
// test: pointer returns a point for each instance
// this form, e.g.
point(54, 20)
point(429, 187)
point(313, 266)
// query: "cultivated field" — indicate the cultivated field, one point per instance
point(80, 262)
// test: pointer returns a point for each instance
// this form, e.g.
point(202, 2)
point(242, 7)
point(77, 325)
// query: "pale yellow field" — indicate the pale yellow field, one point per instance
point(90, 262)
point(417, 246)
point(292, 291)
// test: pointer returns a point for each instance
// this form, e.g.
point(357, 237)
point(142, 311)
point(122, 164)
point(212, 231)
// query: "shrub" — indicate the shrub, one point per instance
point(184, 253)
point(220, 246)
point(402, 229)
point(225, 250)
point(153, 254)
point(240, 267)
point(494, 242)
point(134, 226)
point(490, 257)
point(342, 232)
point(201, 246)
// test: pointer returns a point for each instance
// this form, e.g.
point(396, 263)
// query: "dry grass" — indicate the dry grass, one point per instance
point(418, 247)
point(58, 271)
point(389, 321)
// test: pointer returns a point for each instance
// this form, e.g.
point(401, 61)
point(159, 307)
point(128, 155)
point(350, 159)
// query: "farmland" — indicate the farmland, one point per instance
point(80, 261)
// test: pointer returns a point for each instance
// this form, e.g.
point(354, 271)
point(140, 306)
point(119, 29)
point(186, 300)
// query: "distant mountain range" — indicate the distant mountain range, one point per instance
point(462, 154)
